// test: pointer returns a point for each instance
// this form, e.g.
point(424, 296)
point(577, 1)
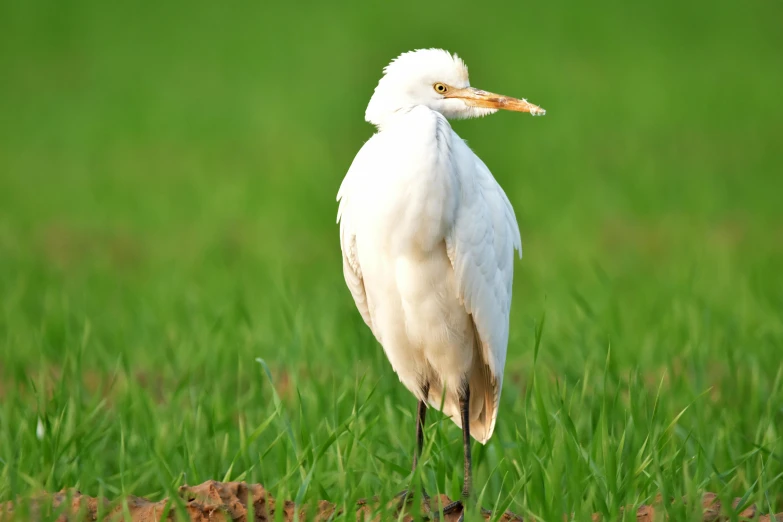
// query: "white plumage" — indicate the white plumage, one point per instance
point(428, 237)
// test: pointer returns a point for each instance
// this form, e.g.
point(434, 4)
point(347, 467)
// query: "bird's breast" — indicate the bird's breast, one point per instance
point(416, 195)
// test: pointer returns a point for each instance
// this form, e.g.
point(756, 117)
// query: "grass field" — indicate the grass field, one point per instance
point(167, 183)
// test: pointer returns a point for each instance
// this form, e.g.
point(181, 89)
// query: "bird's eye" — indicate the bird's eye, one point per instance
point(439, 87)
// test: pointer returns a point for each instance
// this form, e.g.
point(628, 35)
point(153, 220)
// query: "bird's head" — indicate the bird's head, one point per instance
point(438, 80)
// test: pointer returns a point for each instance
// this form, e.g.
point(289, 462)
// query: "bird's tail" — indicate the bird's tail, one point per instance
point(484, 397)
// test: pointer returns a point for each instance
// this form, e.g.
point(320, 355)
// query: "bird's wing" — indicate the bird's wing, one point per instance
point(346, 196)
point(481, 247)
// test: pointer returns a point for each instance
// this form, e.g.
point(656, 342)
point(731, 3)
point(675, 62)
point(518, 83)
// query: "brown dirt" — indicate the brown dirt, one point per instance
point(222, 502)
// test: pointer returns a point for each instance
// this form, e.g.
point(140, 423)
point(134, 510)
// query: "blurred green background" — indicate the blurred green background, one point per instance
point(168, 173)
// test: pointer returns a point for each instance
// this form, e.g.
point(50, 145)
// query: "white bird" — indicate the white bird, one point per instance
point(428, 240)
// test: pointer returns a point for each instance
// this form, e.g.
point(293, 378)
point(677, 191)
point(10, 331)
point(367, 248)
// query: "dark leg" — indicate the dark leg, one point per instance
point(464, 409)
point(422, 415)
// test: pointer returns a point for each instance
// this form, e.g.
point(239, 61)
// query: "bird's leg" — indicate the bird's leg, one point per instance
point(420, 418)
point(464, 409)
point(421, 415)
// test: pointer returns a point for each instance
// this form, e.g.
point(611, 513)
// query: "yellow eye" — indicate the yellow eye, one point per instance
point(440, 88)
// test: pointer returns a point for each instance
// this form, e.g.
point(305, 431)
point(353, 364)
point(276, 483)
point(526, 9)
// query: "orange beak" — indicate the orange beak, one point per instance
point(478, 98)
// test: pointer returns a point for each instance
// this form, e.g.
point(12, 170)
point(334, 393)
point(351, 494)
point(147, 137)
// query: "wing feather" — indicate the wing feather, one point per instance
point(481, 247)
point(349, 190)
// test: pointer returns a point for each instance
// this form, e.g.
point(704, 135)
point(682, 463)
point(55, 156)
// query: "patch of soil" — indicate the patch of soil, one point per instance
point(240, 502)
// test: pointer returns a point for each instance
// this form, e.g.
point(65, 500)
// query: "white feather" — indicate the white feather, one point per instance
point(428, 239)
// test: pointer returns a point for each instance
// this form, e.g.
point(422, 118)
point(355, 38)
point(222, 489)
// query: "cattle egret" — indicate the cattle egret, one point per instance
point(428, 240)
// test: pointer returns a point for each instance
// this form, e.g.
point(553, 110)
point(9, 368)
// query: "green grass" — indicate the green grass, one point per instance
point(167, 183)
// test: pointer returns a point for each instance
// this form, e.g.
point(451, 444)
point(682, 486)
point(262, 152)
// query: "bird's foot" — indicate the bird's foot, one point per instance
point(455, 506)
point(405, 497)
point(458, 507)
point(451, 509)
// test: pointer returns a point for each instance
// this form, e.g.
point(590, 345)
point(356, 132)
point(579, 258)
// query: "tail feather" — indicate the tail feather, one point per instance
point(484, 396)
point(484, 393)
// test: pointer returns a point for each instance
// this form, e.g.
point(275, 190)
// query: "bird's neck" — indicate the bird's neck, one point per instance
point(409, 115)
